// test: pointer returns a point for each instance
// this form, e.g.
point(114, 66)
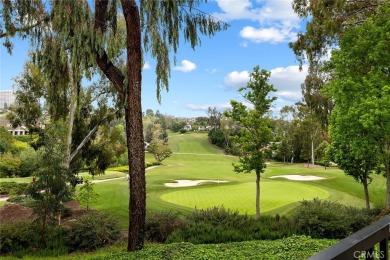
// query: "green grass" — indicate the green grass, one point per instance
point(194, 158)
point(107, 175)
point(241, 197)
point(18, 180)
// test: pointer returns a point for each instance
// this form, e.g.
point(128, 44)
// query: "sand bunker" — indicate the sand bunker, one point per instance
point(299, 177)
point(188, 183)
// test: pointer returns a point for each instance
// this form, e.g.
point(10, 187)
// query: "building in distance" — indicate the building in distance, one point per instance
point(7, 98)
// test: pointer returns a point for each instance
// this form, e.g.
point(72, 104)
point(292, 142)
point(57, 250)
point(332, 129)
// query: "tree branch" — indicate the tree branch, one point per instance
point(88, 137)
point(108, 68)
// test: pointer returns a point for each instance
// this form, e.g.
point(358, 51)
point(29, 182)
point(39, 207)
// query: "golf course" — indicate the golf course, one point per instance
point(194, 159)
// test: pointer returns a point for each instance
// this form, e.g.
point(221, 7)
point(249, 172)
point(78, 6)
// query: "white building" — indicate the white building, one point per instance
point(20, 130)
point(7, 98)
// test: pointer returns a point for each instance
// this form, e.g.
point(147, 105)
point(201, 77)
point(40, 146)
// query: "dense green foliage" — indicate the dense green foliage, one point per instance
point(22, 238)
point(160, 224)
point(217, 138)
point(92, 231)
point(296, 247)
point(17, 236)
point(220, 225)
point(360, 123)
point(326, 219)
point(13, 188)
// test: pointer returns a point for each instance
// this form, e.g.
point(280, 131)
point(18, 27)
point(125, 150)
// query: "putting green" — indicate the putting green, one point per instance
point(241, 197)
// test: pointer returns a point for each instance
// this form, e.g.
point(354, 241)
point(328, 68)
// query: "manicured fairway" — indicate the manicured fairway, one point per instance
point(194, 158)
point(241, 197)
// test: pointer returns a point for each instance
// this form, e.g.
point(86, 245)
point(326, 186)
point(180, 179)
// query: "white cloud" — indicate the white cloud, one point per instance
point(288, 80)
point(146, 66)
point(237, 79)
point(272, 34)
point(235, 9)
point(186, 66)
point(277, 20)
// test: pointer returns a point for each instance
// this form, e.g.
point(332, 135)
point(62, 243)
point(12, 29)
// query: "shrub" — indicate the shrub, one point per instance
point(217, 137)
point(28, 162)
point(219, 225)
point(159, 225)
point(219, 216)
point(183, 131)
point(382, 213)
point(12, 188)
point(17, 236)
point(326, 219)
point(9, 166)
point(92, 231)
point(124, 168)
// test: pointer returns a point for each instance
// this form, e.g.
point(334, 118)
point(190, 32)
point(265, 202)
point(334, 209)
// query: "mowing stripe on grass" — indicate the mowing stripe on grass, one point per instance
point(274, 194)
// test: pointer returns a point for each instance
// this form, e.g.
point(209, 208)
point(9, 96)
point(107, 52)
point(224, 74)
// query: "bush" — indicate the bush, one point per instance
point(183, 131)
point(17, 236)
point(22, 237)
point(159, 225)
point(13, 188)
point(217, 137)
point(92, 231)
point(9, 166)
point(218, 225)
point(150, 164)
point(28, 162)
point(326, 219)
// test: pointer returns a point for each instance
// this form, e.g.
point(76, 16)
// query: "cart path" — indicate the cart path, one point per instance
point(94, 181)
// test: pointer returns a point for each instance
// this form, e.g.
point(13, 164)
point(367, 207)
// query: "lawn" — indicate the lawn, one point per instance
point(194, 159)
point(241, 197)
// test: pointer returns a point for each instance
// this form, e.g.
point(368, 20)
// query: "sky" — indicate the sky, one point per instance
point(210, 75)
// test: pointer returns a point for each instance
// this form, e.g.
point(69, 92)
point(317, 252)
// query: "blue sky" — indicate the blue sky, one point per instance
point(210, 75)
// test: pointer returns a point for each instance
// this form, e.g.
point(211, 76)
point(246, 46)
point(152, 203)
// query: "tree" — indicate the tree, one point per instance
point(327, 21)
point(360, 90)
point(228, 129)
point(153, 25)
point(160, 150)
point(50, 187)
point(6, 140)
point(354, 149)
point(87, 194)
point(214, 117)
point(310, 128)
point(322, 153)
point(255, 134)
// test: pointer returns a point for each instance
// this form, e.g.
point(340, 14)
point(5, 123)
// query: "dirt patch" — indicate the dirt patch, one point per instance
point(13, 212)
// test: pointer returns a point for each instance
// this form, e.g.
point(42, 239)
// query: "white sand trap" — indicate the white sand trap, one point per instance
point(188, 183)
point(299, 177)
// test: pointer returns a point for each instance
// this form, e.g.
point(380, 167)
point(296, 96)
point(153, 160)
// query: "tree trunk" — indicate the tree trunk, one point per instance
point(134, 131)
point(366, 195)
point(72, 111)
point(312, 152)
point(257, 195)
